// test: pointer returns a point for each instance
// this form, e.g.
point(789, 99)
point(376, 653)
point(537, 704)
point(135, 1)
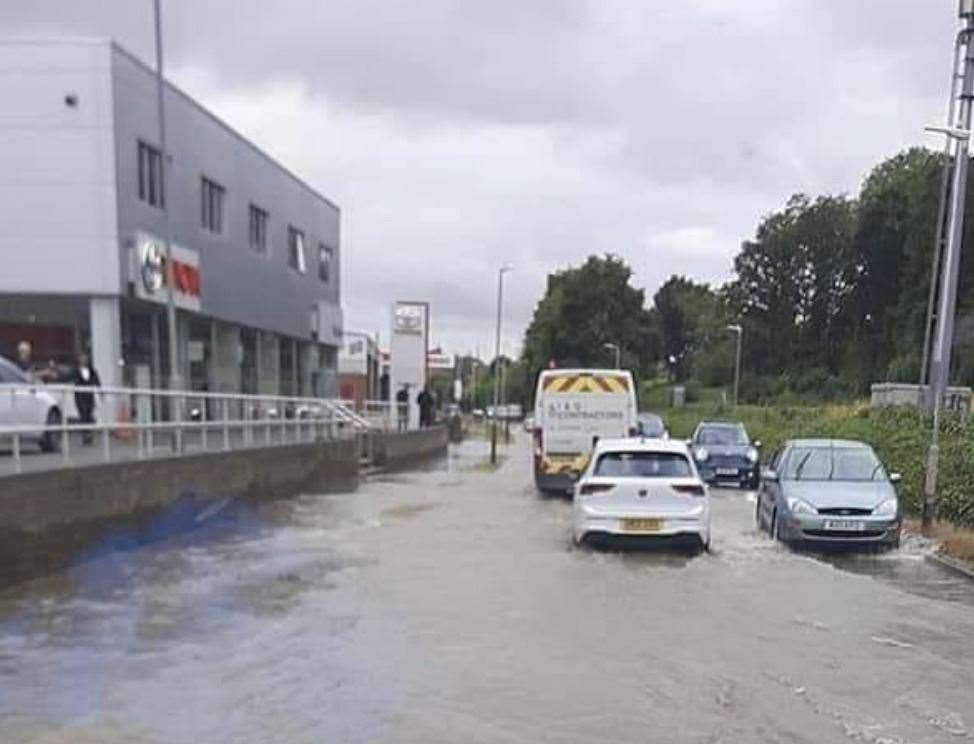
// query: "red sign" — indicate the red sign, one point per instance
point(186, 278)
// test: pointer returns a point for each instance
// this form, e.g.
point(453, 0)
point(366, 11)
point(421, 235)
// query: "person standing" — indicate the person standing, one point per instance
point(25, 358)
point(402, 407)
point(85, 376)
point(425, 402)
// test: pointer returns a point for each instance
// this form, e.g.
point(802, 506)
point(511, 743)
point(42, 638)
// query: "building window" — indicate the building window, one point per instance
point(258, 229)
point(150, 176)
point(295, 250)
point(211, 205)
point(324, 262)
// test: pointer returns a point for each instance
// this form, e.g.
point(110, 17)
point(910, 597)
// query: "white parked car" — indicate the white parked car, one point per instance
point(642, 487)
point(27, 403)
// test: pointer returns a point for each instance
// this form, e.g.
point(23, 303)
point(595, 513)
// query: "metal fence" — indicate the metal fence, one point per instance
point(135, 423)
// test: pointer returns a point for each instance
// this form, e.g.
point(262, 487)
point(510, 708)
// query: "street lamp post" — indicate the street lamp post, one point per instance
point(174, 376)
point(618, 351)
point(497, 360)
point(959, 132)
point(736, 328)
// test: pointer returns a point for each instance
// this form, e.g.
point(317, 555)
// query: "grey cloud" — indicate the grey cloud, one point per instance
point(457, 134)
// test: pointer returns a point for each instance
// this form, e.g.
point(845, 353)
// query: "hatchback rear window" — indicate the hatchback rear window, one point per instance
point(643, 465)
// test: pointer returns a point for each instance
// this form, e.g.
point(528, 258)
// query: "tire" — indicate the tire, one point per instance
point(758, 519)
point(773, 530)
point(51, 440)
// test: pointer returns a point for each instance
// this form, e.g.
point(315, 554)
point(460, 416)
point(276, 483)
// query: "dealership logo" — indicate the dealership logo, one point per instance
point(185, 276)
point(153, 265)
point(410, 319)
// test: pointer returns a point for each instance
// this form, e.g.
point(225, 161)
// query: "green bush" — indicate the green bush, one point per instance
point(900, 437)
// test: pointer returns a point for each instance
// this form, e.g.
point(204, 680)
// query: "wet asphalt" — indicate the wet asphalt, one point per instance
point(448, 604)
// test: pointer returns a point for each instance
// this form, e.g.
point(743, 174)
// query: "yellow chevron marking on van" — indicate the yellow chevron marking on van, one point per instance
point(574, 384)
point(554, 464)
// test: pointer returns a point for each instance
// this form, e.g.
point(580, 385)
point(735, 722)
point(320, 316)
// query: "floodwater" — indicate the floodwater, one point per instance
point(449, 605)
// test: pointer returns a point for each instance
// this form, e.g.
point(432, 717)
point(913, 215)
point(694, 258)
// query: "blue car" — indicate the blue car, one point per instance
point(725, 454)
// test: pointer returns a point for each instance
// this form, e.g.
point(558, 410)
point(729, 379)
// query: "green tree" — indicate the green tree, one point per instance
point(894, 240)
point(691, 321)
point(794, 286)
point(583, 309)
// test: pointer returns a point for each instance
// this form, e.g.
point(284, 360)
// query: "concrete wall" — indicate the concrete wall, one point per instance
point(396, 449)
point(50, 519)
point(58, 226)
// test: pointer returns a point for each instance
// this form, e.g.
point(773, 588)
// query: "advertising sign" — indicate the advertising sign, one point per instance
point(151, 279)
point(408, 349)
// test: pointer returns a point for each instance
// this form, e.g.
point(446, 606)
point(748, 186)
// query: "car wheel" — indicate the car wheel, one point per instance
point(51, 440)
point(758, 518)
point(775, 534)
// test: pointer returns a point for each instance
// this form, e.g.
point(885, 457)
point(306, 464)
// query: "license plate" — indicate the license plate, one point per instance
point(845, 525)
point(642, 525)
point(726, 471)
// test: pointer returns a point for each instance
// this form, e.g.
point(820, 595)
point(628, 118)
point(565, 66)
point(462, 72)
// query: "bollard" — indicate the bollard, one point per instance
point(226, 426)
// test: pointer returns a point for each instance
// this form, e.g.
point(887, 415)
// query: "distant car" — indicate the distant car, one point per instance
point(528, 423)
point(651, 426)
point(24, 402)
point(829, 491)
point(724, 453)
point(641, 488)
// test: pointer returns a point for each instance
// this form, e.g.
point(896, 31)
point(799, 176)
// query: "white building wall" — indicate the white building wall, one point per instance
point(57, 194)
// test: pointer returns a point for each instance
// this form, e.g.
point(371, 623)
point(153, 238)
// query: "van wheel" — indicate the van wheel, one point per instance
point(51, 440)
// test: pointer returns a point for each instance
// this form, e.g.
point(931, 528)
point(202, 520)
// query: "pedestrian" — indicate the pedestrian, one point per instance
point(25, 358)
point(402, 407)
point(85, 376)
point(425, 402)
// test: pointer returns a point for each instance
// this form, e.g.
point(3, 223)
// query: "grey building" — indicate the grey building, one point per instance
point(256, 249)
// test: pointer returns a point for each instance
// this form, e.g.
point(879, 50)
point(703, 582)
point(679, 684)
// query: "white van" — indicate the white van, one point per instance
point(574, 408)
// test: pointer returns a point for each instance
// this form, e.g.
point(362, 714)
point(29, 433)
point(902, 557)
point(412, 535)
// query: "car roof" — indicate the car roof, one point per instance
point(576, 371)
point(733, 424)
point(830, 443)
point(641, 444)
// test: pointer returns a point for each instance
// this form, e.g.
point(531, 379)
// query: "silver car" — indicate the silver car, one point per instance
point(829, 491)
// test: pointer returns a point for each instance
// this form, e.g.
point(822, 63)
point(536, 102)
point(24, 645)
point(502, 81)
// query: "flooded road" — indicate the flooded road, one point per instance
point(449, 605)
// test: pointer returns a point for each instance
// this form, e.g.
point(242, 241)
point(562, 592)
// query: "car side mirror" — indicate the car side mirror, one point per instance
point(770, 475)
point(895, 477)
point(757, 444)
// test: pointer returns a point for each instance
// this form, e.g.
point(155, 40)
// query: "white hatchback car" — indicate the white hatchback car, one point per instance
point(644, 488)
point(26, 404)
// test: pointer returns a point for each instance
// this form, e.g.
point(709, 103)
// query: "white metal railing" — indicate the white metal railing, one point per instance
point(135, 423)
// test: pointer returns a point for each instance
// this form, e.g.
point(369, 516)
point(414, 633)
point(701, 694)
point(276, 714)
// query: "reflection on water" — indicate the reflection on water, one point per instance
point(450, 604)
point(908, 569)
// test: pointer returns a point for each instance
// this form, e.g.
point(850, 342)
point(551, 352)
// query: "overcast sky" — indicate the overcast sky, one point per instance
point(457, 136)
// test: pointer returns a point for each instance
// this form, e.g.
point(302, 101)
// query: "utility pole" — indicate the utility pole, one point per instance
point(507, 417)
point(497, 360)
point(940, 238)
point(175, 382)
point(959, 134)
point(737, 329)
